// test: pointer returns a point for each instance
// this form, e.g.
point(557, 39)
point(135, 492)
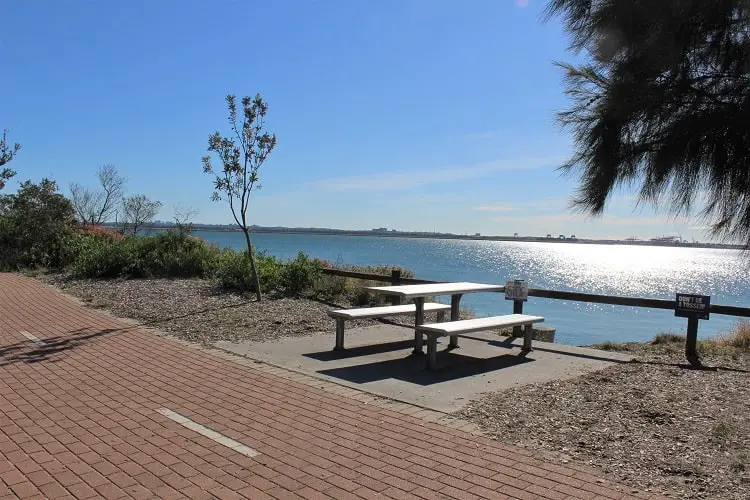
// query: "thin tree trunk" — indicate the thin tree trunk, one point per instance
point(253, 269)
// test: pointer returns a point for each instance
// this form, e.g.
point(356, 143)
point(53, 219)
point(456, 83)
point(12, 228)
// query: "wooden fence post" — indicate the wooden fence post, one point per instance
point(395, 280)
point(517, 309)
point(691, 342)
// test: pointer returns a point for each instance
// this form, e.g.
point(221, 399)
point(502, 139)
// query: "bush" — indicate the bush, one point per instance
point(95, 256)
point(300, 276)
point(36, 226)
point(232, 271)
point(167, 255)
point(352, 290)
point(105, 232)
point(269, 272)
point(329, 287)
point(173, 254)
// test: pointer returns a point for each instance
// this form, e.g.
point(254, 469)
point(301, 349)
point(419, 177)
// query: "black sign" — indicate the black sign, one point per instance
point(688, 305)
point(516, 290)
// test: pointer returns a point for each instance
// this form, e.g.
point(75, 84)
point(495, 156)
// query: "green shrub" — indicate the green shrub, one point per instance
point(352, 290)
point(330, 288)
point(94, 256)
point(173, 254)
point(36, 226)
point(168, 255)
point(269, 272)
point(232, 271)
point(299, 276)
point(360, 297)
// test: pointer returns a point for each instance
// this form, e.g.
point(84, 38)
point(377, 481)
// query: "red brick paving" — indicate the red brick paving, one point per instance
point(78, 419)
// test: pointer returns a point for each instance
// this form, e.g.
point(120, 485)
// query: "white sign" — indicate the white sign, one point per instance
point(516, 290)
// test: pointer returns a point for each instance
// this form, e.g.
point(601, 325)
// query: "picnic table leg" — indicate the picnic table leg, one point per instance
point(339, 334)
point(527, 331)
point(418, 320)
point(455, 302)
point(431, 352)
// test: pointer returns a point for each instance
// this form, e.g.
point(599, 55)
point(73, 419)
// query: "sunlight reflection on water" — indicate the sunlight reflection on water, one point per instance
point(621, 270)
point(638, 271)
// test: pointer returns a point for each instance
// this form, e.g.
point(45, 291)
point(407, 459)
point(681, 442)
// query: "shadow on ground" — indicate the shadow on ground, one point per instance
point(452, 365)
point(29, 351)
point(365, 350)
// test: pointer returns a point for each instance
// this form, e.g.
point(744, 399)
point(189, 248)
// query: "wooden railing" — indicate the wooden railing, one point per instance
point(692, 332)
point(396, 279)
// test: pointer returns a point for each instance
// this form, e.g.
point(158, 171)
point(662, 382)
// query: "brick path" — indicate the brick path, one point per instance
point(79, 419)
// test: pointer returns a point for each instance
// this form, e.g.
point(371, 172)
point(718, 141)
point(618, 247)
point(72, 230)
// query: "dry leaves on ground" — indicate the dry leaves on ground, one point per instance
point(193, 310)
point(651, 424)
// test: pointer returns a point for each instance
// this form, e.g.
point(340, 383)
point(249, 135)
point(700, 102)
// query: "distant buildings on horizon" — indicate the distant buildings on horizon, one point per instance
point(659, 240)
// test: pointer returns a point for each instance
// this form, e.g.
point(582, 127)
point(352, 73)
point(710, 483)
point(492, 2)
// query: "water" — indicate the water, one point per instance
point(638, 271)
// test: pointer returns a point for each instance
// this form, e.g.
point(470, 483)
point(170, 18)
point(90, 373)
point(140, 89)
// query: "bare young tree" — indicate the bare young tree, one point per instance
point(85, 202)
point(183, 218)
point(241, 157)
point(97, 207)
point(6, 155)
point(138, 210)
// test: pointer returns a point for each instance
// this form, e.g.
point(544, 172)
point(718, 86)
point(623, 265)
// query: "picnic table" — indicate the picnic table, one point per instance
point(418, 293)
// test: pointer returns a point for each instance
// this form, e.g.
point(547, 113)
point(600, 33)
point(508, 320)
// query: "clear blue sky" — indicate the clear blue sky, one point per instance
point(410, 114)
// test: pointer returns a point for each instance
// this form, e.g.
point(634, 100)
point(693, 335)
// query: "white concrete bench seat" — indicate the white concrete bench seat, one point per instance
point(341, 315)
point(453, 328)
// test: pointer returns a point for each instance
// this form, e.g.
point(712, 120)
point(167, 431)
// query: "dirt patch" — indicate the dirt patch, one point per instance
point(652, 424)
point(193, 309)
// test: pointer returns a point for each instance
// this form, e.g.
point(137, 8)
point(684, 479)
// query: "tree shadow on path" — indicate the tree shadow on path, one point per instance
point(29, 351)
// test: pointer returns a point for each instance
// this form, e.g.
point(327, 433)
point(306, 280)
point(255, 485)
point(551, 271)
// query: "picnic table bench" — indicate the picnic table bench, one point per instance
point(435, 330)
point(341, 315)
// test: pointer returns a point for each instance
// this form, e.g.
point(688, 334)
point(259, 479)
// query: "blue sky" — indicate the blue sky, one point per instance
point(410, 114)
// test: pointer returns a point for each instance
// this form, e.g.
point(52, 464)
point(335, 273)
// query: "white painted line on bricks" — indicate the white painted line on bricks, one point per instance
point(209, 433)
point(33, 338)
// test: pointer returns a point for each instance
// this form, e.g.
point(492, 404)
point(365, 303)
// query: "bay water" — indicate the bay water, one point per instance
point(626, 270)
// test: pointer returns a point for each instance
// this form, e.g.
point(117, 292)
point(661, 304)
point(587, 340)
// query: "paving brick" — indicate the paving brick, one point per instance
point(25, 489)
point(84, 418)
point(82, 491)
point(54, 490)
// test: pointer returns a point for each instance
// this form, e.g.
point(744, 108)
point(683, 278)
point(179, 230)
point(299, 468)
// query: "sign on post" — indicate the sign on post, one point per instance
point(689, 305)
point(516, 290)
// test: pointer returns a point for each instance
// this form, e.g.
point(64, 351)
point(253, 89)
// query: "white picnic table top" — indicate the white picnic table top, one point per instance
point(428, 290)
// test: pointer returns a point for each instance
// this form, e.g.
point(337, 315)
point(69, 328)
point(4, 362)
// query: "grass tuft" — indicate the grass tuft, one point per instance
point(739, 336)
point(668, 338)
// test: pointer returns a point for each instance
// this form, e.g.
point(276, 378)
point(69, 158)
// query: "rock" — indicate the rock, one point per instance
point(542, 333)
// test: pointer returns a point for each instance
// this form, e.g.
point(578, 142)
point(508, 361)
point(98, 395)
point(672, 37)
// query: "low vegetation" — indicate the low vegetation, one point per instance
point(175, 254)
point(730, 346)
point(39, 228)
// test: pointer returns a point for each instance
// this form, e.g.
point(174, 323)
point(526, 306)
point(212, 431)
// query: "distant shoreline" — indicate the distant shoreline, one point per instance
point(448, 236)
